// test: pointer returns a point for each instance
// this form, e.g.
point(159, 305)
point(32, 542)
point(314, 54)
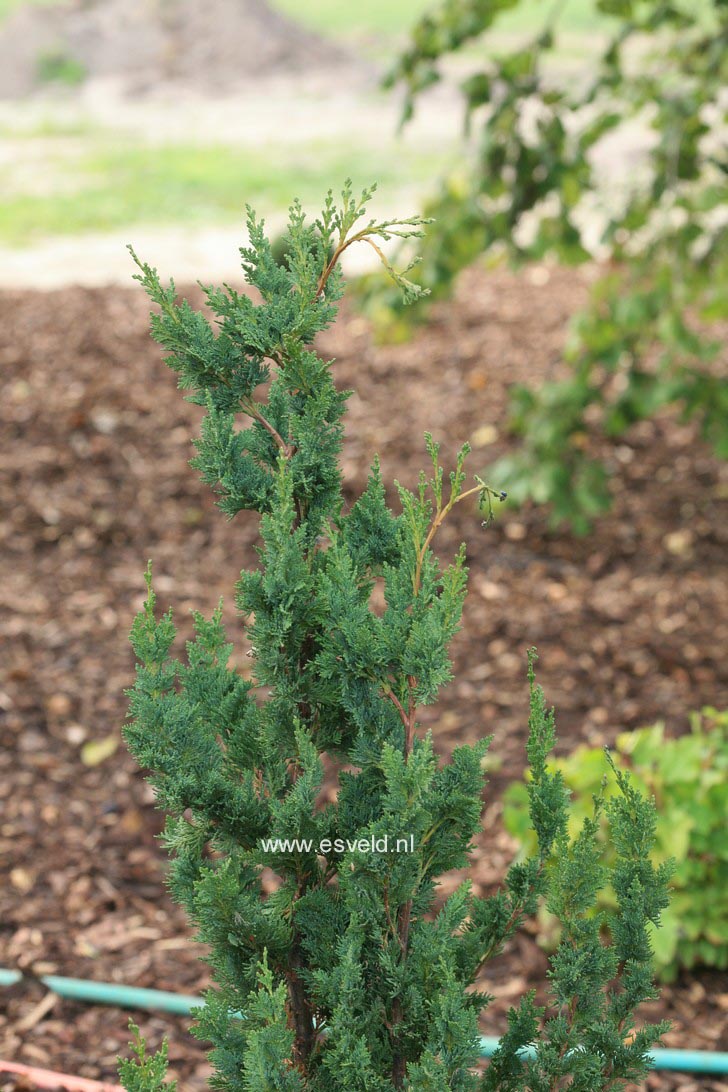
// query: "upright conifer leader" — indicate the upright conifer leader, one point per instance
point(345, 978)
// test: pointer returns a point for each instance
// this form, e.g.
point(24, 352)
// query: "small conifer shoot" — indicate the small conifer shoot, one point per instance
point(350, 976)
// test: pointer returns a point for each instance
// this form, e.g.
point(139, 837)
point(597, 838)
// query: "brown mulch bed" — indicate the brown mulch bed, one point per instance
point(631, 623)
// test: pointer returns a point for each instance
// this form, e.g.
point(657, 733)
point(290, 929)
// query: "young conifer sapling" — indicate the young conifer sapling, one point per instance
point(348, 978)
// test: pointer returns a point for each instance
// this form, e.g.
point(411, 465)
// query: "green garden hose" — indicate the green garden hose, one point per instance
point(133, 997)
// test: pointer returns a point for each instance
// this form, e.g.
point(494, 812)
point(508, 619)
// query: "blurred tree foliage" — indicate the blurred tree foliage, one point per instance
point(533, 187)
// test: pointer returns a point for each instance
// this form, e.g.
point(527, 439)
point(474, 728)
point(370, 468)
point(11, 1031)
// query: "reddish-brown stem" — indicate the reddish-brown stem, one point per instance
point(404, 916)
point(399, 1063)
point(407, 716)
point(300, 1014)
point(344, 244)
point(436, 524)
point(398, 706)
point(287, 449)
point(411, 710)
point(330, 266)
point(388, 915)
point(299, 1010)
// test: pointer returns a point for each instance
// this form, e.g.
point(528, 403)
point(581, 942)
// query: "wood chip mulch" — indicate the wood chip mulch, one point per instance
point(631, 624)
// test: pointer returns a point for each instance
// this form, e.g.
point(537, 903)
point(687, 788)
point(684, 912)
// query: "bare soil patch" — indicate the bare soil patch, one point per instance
point(630, 623)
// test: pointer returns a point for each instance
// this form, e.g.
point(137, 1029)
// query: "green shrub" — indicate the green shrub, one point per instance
point(349, 977)
point(650, 336)
point(688, 778)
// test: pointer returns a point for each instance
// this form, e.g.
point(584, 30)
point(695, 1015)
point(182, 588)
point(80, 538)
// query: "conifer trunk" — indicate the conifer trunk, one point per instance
point(299, 1011)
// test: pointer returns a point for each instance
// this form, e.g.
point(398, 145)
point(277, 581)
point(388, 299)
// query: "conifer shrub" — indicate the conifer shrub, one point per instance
point(349, 975)
point(688, 777)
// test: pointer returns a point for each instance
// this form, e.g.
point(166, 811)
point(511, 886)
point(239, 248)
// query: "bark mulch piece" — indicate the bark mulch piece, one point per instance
point(630, 623)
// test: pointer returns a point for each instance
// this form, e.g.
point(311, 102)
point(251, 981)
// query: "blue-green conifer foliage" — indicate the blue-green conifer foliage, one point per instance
point(351, 976)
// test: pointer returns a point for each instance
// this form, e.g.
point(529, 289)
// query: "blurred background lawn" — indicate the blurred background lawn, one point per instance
point(384, 19)
point(76, 161)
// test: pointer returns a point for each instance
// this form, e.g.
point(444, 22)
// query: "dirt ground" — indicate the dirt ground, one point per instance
point(630, 623)
point(142, 43)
